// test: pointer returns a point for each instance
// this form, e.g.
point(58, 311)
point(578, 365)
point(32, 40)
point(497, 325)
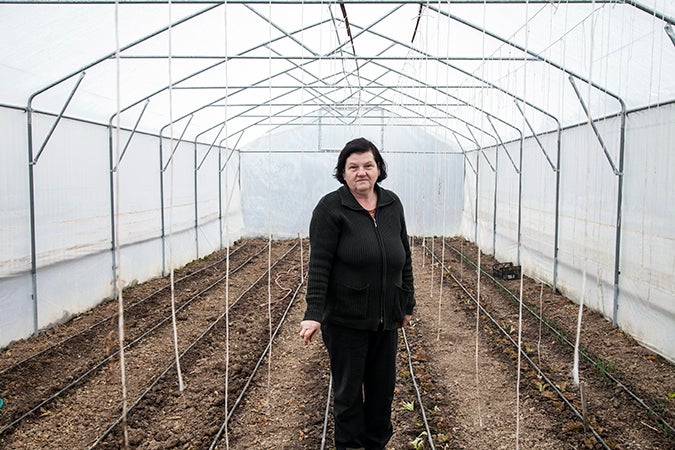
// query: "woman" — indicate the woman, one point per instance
point(359, 292)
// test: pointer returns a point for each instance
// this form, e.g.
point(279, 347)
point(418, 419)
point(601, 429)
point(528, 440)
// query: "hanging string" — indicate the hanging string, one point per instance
point(479, 154)
point(520, 302)
point(444, 164)
point(586, 210)
point(303, 74)
point(438, 179)
point(118, 281)
point(541, 321)
point(181, 386)
point(227, 237)
point(575, 368)
point(520, 345)
point(269, 207)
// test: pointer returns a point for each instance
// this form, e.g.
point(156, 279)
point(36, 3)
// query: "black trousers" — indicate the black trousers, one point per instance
point(363, 365)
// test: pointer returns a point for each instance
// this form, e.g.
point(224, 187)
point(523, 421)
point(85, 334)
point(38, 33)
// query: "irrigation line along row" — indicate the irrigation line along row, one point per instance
point(520, 350)
point(324, 431)
point(560, 335)
point(184, 352)
point(255, 369)
point(417, 390)
point(107, 359)
point(109, 318)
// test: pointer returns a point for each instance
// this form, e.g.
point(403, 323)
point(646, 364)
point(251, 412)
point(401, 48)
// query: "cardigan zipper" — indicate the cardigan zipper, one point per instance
point(384, 272)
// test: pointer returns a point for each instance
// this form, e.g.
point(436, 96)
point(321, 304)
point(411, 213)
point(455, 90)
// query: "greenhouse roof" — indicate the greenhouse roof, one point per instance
point(232, 71)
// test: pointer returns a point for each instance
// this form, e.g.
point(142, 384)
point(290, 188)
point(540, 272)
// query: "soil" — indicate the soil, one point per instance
point(469, 381)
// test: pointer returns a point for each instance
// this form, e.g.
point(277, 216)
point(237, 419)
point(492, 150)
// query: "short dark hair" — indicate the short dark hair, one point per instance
point(359, 145)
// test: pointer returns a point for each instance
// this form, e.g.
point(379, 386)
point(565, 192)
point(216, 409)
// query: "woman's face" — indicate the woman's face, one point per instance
point(361, 172)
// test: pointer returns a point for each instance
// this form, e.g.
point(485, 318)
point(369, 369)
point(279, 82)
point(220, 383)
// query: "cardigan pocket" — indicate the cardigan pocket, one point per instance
point(351, 302)
point(401, 303)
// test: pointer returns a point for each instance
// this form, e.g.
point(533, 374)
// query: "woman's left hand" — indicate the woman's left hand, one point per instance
point(406, 320)
point(307, 330)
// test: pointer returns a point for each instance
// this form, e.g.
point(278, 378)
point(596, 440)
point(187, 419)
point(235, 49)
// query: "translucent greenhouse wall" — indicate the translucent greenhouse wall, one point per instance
point(73, 221)
point(212, 196)
point(285, 174)
point(588, 216)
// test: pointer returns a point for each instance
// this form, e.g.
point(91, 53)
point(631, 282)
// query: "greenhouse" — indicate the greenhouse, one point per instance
point(146, 142)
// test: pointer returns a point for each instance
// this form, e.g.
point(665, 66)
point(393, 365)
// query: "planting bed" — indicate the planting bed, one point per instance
point(465, 370)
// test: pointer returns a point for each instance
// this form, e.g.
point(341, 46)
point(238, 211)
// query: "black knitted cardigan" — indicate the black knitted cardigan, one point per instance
point(360, 270)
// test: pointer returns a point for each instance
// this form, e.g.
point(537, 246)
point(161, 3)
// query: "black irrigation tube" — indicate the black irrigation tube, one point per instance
point(107, 319)
point(184, 352)
point(98, 365)
point(254, 371)
point(524, 354)
point(417, 390)
point(326, 414)
point(559, 334)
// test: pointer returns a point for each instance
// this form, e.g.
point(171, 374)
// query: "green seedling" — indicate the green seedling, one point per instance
point(408, 406)
point(418, 442)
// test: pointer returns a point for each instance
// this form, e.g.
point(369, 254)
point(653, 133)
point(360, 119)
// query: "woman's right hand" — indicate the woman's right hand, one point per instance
point(308, 329)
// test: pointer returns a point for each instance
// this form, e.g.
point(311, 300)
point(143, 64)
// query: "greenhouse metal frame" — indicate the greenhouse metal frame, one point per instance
point(183, 140)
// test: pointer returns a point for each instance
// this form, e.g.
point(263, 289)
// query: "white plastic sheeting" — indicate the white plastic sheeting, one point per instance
point(641, 300)
point(285, 59)
point(73, 217)
point(285, 174)
point(251, 100)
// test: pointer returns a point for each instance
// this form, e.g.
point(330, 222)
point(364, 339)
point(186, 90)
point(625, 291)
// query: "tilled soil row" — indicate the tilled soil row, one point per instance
point(26, 385)
point(466, 372)
point(168, 418)
point(619, 420)
point(84, 413)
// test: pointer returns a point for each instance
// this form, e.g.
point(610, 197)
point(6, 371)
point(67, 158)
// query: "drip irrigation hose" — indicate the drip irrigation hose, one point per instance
point(109, 318)
point(417, 390)
point(324, 431)
point(523, 354)
point(98, 365)
point(560, 335)
point(255, 369)
point(183, 353)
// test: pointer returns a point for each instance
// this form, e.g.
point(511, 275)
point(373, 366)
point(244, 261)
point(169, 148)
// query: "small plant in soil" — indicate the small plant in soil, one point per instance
point(418, 442)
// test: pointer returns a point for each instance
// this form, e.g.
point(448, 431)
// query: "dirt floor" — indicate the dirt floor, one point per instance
point(62, 388)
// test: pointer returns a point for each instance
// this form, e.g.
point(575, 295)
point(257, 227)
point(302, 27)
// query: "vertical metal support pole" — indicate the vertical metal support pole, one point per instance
point(238, 173)
point(520, 197)
point(32, 161)
point(494, 204)
point(196, 206)
point(556, 231)
point(161, 205)
point(475, 220)
point(113, 243)
point(618, 171)
point(219, 172)
point(318, 134)
point(619, 215)
point(556, 169)
point(31, 194)
point(382, 130)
